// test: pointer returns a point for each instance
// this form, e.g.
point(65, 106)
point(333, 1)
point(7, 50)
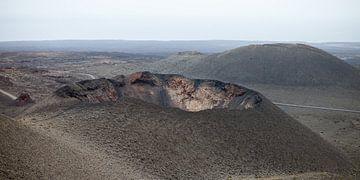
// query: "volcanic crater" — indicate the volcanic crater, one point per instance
point(167, 90)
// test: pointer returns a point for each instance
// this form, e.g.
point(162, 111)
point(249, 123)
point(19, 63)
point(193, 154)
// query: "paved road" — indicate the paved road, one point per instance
point(8, 94)
point(316, 107)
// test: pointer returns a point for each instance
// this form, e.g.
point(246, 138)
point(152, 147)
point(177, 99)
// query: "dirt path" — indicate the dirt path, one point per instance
point(8, 94)
point(89, 75)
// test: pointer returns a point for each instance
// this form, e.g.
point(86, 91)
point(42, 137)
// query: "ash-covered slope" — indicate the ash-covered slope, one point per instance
point(165, 90)
point(28, 154)
point(255, 138)
point(283, 64)
point(174, 144)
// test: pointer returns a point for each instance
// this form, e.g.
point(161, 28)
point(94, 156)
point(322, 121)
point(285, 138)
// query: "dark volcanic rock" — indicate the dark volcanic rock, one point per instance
point(23, 99)
point(165, 90)
point(98, 90)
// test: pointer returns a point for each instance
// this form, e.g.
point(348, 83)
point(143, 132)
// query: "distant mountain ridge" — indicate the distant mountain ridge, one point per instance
point(155, 46)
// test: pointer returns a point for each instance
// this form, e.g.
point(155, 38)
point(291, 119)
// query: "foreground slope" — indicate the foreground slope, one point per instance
point(168, 142)
point(282, 64)
point(171, 143)
point(29, 153)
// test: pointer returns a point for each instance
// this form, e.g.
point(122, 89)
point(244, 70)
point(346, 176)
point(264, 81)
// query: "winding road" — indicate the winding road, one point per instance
point(316, 107)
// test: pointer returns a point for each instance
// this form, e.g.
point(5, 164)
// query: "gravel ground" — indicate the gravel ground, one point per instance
point(28, 153)
point(211, 144)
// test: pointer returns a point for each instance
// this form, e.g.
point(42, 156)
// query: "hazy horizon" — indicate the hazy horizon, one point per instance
point(257, 20)
point(179, 40)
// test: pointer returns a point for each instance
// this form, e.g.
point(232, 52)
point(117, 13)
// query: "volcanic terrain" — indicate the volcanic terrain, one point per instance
point(138, 121)
point(152, 125)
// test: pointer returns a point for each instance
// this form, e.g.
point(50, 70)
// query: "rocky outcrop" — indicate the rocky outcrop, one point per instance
point(23, 99)
point(196, 95)
point(166, 90)
point(98, 90)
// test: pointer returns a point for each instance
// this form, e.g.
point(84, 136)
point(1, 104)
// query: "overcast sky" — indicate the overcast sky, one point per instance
point(281, 20)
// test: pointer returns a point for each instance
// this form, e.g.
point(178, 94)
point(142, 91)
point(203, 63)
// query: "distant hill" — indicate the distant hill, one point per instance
point(282, 64)
point(177, 63)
